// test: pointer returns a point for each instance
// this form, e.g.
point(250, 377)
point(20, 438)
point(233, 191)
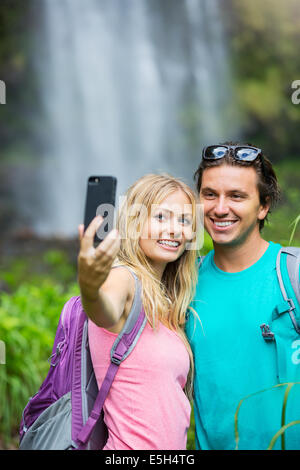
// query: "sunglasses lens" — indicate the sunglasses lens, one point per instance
point(215, 152)
point(247, 154)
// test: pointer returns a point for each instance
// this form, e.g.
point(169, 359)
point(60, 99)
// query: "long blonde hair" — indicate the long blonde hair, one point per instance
point(166, 299)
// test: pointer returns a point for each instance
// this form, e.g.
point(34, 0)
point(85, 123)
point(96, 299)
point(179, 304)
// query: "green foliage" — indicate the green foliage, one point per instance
point(282, 226)
point(28, 321)
point(207, 244)
point(58, 261)
point(263, 40)
point(294, 224)
point(52, 264)
point(191, 432)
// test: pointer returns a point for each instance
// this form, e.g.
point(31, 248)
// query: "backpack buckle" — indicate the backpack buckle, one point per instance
point(266, 332)
point(116, 359)
point(119, 352)
point(291, 303)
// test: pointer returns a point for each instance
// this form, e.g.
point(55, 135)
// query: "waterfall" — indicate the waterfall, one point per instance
point(128, 87)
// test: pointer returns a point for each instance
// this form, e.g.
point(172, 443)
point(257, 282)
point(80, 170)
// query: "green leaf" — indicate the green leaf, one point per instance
point(295, 223)
point(280, 432)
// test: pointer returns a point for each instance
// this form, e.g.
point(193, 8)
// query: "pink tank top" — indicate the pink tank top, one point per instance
point(146, 407)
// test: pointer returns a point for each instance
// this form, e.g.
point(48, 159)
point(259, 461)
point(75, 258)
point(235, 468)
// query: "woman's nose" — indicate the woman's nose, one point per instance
point(175, 227)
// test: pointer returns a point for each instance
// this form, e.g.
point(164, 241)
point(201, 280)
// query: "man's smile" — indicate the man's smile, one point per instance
point(221, 224)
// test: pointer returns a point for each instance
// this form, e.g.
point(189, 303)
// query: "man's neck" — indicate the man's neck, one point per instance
point(236, 258)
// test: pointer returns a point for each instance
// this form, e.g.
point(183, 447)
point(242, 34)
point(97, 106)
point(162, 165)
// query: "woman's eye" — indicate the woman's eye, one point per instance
point(159, 216)
point(185, 221)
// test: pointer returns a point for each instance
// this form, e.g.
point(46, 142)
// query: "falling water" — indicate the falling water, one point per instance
point(128, 87)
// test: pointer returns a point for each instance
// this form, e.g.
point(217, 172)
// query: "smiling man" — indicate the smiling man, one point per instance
point(237, 292)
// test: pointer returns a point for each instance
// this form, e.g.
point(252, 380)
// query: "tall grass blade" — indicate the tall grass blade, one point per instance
point(280, 432)
point(236, 431)
point(285, 398)
point(295, 223)
point(286, 384)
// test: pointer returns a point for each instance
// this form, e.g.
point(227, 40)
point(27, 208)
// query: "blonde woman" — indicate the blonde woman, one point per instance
point(148, 404)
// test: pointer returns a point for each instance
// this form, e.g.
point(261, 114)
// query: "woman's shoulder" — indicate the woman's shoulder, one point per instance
point(120, 286)
point(120, 279)
point(123, 272)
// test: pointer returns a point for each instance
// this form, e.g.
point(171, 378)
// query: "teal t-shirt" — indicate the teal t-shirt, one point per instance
point(232, 359)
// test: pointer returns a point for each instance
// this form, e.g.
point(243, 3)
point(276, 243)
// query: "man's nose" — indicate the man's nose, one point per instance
point(221, 207)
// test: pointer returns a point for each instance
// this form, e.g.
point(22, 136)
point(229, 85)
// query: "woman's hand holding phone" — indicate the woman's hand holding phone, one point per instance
point(94, 264)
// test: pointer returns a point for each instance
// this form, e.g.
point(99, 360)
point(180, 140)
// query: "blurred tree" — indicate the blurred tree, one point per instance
point(264, 39)
point(15, 70)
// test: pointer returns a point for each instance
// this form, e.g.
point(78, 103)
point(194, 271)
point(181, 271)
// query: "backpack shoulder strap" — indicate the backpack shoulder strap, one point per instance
point(200, 260)
point(292, 265)
point(134, 325)
point(122, 347)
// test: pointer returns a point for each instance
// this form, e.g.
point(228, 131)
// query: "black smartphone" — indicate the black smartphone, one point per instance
point(100, 200)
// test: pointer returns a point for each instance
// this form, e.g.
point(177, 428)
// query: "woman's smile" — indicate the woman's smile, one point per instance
point(170, 244)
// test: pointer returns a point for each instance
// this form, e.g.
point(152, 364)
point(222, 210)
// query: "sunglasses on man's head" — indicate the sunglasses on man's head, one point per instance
point(244, 153)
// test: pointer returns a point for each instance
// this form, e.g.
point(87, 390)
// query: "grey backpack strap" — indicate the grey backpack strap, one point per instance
point(292, 264)
point(200, 260)
point(121, 348)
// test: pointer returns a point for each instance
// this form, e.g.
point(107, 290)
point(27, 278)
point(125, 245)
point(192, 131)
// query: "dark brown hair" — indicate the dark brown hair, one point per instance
point(267, 185)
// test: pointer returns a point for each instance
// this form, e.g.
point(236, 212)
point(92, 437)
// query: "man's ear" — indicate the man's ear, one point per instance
point(264, 209)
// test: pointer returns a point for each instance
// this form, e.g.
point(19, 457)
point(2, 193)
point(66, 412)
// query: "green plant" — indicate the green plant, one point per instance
point(281, 433)
point(57, 261)
point(51, 264)
point(191, 432)
point(284, 426)
point(28, 321)
point(294, 224)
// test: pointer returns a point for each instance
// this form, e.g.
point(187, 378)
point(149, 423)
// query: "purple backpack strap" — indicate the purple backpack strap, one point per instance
point(121, 348)
point(85, 433)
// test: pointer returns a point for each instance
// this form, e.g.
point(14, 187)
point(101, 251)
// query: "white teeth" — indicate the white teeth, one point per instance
point(168, 242)
point(223, 224)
